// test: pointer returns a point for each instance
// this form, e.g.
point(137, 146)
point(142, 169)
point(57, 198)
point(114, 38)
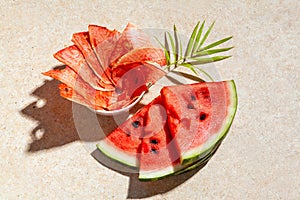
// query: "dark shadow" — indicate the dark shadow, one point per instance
point(55, 122)
point(60, 121)
point(138, 189)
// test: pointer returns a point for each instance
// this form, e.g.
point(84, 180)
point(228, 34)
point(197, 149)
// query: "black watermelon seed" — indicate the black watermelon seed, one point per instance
point(128, 133)
point(154, 151)
point(136, 124)
point(202, 116)
point(66, 90)
point(190, 106)
point(154, 141)
point(193, 97)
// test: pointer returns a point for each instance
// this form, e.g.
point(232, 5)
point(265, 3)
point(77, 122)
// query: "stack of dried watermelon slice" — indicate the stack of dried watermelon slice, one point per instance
point(178, 131)
point(106, 69)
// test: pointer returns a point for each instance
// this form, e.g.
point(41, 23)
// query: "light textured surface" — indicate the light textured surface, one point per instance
point(42, 157)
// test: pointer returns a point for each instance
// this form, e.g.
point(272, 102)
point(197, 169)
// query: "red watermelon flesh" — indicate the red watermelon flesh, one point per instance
point(159, 155)
point(124, 143)
point(199, 115)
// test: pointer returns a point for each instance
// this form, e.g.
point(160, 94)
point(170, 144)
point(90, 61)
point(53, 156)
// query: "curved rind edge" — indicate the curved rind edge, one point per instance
point(117, 155)
point(196, 154)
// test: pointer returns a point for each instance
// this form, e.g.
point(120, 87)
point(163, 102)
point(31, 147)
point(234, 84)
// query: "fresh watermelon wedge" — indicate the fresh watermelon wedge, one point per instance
point(160, 138)
point(199, 115)
point(144, 141)
point(124, 144)
point(158, 157)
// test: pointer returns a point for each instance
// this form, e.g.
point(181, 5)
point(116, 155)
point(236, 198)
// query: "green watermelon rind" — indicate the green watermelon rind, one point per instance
point(203, 160)
point(179, 168)
point(195, 154)
point(156, 174)
point(117, 154)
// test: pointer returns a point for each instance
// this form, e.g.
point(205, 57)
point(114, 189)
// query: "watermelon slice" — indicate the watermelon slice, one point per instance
point(160, 138)
point(154, 55)
point(199, 115)
point(124, 143)
point(131, 38)
point(76, 89)
point(158, 157)
point(72, 57)
point(82, 41)
point(103, 42)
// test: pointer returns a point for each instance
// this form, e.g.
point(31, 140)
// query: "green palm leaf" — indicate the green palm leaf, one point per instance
point(191, 41)
point(196, 44)
point(190, 66)
point(211, 51)
point(194, 52)
point(215, 43)
point(200, 61)
point(206, 35)
point(176, 45)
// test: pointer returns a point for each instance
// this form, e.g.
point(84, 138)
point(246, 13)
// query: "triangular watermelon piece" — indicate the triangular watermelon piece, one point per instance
point(103, 42)
point(124, 144)
point(82, 41)
point(199, 115)
point(73, 57)
point(144, 141)
point(158, 156)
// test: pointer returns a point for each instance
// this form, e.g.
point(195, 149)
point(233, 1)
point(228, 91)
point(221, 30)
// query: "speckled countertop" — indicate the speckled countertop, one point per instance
point(43, 157)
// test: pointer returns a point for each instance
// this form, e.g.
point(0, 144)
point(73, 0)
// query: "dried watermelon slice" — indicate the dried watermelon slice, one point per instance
point(103, 42)
point(113, 86)
point(73, 57)
point(68, 93)
point(151, 54)
point(96, 98)
point(131, 38)
point(82, 41)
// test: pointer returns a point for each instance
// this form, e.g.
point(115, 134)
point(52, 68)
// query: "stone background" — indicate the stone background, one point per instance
point(42, 156)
